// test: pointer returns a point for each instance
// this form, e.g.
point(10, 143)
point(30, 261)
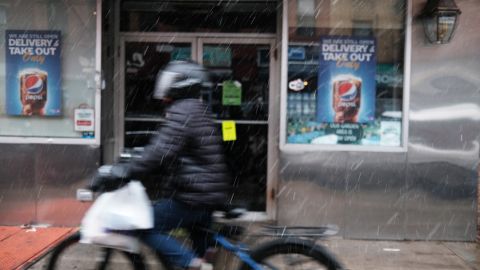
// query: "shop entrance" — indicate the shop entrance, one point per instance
point(242, 76)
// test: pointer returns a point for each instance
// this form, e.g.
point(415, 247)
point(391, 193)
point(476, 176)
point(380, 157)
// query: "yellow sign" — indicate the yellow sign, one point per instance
point(229, 131)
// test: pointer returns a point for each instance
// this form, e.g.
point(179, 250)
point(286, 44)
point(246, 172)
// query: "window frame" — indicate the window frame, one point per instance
point(292, 147)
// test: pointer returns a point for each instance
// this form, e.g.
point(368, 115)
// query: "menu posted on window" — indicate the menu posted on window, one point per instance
point(33, 73)
point(346, 80)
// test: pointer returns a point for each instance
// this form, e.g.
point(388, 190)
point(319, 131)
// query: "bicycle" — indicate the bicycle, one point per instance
point(294, 247)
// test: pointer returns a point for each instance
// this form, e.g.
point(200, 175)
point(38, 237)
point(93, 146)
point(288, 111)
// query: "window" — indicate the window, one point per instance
point(199, 16)
point(48, 69)
point(345, 73)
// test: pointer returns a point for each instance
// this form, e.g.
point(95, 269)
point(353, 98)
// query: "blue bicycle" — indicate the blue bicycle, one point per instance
point(292, 248)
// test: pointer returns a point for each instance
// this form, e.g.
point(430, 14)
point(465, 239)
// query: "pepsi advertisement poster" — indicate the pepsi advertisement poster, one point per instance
point(33, 75)
point(346, 80)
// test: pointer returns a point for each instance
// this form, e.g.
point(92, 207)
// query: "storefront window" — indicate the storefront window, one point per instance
point(345, 72)
point(48, 69)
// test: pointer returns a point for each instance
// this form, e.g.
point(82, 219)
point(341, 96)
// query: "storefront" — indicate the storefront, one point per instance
point(343, 112)
point(377, 128)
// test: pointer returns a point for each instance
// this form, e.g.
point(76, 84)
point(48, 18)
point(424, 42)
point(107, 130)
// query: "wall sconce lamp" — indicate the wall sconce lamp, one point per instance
point(440, 19)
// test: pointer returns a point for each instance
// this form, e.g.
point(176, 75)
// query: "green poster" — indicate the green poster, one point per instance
point(232, 93)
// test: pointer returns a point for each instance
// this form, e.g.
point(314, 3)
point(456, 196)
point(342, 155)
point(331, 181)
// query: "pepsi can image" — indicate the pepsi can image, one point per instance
point(347, 91)
point(33, 91)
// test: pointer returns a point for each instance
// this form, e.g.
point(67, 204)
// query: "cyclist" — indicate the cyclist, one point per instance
point(188, 150)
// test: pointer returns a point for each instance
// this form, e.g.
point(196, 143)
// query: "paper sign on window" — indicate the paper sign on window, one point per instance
point(84, 119)
point(229, 131)
point(232, 93)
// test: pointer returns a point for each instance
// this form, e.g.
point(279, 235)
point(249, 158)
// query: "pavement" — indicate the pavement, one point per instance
point(393, 255)
point(23, 246)
point(355, 254)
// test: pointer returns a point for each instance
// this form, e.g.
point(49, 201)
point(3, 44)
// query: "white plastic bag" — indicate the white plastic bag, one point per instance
point(127, 208)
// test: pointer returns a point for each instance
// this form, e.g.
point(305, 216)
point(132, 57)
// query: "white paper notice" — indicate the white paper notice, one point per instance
point(84, 120)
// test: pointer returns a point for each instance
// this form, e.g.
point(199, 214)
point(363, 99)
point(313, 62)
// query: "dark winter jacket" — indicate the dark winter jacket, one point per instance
point(189, 150)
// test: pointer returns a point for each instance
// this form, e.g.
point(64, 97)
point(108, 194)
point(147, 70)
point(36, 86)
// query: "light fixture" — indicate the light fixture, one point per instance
point(440, 18)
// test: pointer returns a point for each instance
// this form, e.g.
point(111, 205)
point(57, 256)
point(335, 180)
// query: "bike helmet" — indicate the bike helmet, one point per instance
point(180, 80)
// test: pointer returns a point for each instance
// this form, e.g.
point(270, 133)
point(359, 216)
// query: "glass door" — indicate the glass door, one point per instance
point(143, 59)
point(240, 71)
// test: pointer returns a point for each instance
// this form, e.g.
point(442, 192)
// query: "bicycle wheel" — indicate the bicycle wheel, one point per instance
point(292, 254)
point(71, 254)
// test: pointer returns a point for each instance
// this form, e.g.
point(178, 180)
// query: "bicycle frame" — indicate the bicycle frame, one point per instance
point(238, 250)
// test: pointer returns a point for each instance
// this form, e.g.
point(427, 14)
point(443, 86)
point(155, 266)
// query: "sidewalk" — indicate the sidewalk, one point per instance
point(19, 247)
point(382, 255)
point(400, 255)
point(396, 255)
point(27, 248)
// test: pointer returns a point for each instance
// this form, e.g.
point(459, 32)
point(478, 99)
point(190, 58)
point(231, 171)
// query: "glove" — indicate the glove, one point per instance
point(110, 177)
